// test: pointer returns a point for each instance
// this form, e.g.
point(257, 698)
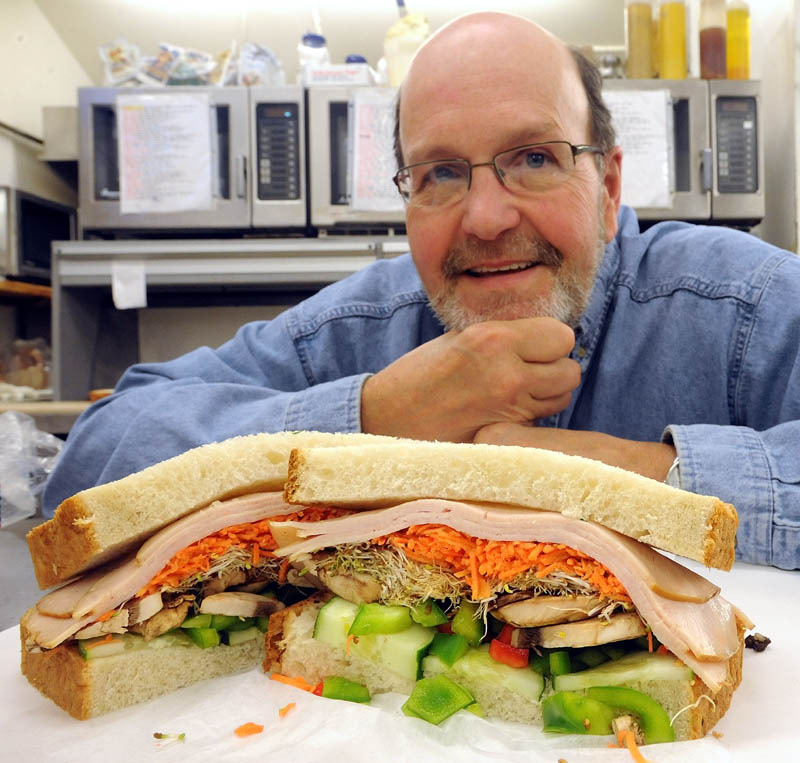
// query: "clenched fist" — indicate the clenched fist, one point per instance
point(497, 371)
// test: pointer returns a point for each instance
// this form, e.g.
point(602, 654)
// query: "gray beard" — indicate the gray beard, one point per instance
point(566, 302)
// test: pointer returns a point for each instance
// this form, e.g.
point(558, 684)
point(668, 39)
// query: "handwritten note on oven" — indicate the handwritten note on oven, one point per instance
point(165, 152)
point(642, 122)
point(373, 164)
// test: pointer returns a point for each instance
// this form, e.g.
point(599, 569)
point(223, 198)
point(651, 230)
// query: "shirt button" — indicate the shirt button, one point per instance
point(582, 352)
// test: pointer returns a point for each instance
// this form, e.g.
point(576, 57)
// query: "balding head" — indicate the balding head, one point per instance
point(463, 53)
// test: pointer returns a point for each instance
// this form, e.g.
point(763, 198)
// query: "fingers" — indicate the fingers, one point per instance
point(534, 340)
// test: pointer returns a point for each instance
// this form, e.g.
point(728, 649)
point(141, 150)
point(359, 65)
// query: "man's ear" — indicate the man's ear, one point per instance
point(612, 190)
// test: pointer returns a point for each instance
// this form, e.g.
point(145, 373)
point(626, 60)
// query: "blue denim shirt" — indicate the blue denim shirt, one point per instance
point(692, 335)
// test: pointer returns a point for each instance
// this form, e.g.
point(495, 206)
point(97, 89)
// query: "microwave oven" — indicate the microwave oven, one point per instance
point(351, 160)
point(713, 167)
point(256, 153)
point(28, 226)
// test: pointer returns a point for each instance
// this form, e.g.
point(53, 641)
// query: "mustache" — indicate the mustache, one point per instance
point(470, 253)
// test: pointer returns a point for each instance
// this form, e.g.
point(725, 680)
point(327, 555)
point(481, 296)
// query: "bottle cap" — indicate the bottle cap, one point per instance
point(355, 58)
point(313, 40)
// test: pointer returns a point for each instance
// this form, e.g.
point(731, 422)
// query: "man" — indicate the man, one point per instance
point(567, 328)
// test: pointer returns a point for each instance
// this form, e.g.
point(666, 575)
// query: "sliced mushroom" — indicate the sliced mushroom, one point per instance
point(353, 586)
point(535, 611)
point(143, 609)
point(240, 604)
point(164, 620)
point(224, 580)
point(117, 623)
point(596, 630)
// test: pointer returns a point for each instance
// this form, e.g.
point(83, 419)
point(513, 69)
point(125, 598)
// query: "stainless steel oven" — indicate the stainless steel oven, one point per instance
point(714, 168)
point(257, 154)
point(28, 226)
point(351, 162)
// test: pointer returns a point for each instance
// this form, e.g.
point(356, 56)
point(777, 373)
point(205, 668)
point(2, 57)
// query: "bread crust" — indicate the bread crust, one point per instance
point(88, 688)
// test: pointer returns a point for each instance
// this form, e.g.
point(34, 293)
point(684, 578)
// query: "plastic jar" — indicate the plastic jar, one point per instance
point(672, 39)
point(738, 40)
point(639, 36)
point(713, 64)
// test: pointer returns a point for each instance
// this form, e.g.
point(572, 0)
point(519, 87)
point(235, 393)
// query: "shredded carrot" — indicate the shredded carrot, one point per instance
point(255, 536)
point(349, 640)
point(284, 570)
point(662, 650)
point(627, 738)
point(107, 640)
point(649, 640)
point(297, 681)
point(479, 561)
point(106, 615)
point(286, 708)
point(248, 729)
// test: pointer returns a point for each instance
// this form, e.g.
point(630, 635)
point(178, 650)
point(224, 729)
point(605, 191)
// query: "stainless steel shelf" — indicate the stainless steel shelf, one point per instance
point(83, 274)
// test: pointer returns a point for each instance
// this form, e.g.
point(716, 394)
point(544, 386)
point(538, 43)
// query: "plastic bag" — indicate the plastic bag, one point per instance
point(27, 456)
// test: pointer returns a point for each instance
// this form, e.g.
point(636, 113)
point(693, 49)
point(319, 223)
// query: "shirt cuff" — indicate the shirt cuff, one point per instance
point(328, 407)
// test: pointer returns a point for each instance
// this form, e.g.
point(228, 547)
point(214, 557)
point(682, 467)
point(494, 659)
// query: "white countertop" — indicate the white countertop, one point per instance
point(762, 724)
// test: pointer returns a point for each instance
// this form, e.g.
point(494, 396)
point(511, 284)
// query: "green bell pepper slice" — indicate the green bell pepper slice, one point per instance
point(448, 647)
point(569, 712)
point(428, 613)
point(437, 698)
point(336, 687)
point(560, 663)
point(380, 618)
point(653, 719)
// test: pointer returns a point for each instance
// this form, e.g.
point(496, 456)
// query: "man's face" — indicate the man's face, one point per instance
point(496, 254)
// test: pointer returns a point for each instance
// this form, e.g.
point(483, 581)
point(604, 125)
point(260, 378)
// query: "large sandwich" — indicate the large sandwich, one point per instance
point(556, 602)
point(165, 577)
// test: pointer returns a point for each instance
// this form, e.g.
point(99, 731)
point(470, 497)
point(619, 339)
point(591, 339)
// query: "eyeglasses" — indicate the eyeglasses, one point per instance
point(534, 168)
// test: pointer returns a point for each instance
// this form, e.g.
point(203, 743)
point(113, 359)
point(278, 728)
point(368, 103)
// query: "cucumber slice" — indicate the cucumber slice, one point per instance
point(92, 648)
point(240, 636)
point(333, 622)
point(401, 652)
point(479, 666)
point(637, 666)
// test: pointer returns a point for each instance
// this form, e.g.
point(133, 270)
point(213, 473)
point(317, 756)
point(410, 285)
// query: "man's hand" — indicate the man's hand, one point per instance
point(651, 459)
point(449, 388)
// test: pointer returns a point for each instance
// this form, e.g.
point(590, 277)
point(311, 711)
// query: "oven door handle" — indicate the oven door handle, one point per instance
point(241, 176)
point(707, 164)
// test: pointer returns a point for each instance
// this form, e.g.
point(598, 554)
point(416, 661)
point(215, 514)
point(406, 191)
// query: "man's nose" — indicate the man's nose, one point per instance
point(490, 208)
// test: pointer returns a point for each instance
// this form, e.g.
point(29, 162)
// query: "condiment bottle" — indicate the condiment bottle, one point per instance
point(712, 39)
point(672, 39)
point(738, 40)
point(639, 34)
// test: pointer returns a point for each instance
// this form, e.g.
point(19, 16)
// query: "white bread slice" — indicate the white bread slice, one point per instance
point(292, 650)
point(88, 688)
point(699, 527)
point(103, 522)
